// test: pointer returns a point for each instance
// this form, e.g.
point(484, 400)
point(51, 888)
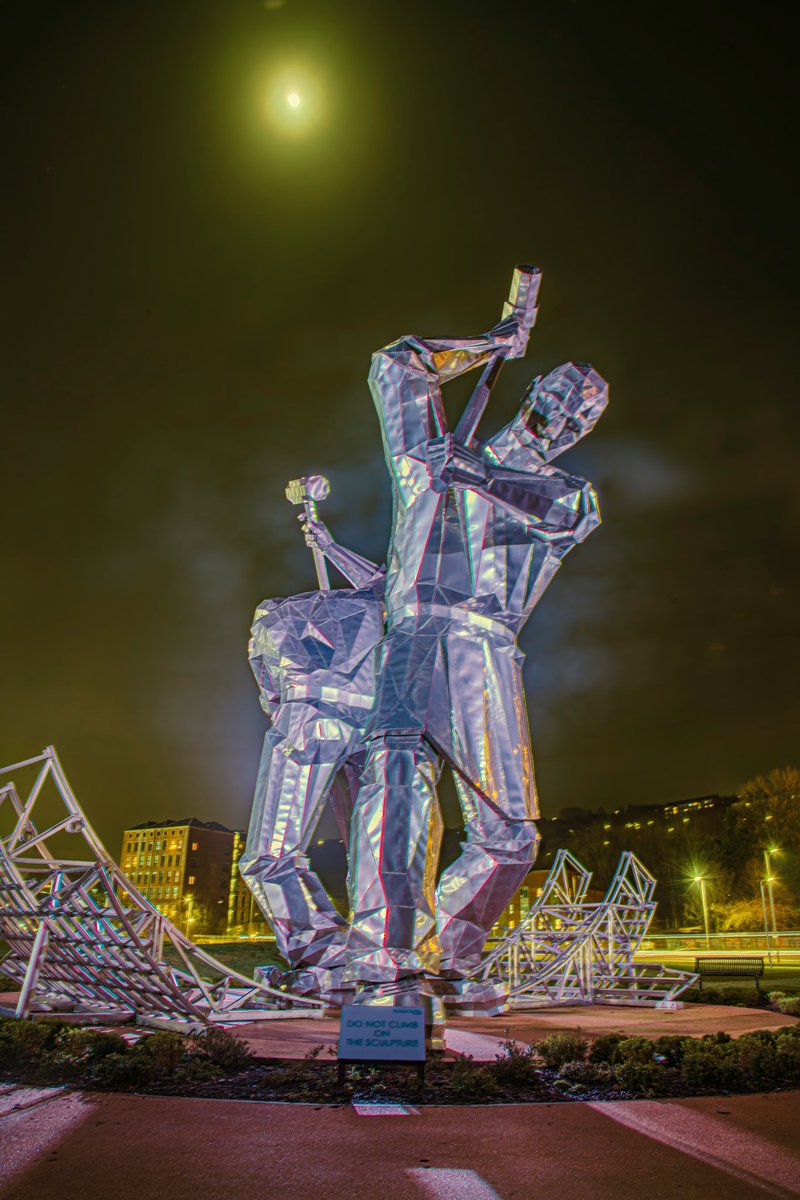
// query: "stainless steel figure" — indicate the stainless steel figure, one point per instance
point(478, 534)
point(313, 656)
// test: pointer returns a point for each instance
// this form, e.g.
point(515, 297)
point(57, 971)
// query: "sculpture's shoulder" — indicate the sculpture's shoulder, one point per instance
point(321, 630)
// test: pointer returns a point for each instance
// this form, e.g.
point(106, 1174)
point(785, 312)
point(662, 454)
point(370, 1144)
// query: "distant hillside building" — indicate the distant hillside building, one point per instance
point(183, 867)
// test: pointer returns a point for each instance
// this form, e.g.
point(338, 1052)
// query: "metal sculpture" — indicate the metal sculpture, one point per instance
point(83, 940)
point(570, 951)
point(414, 666)
point(479, 531)
point(313, 656)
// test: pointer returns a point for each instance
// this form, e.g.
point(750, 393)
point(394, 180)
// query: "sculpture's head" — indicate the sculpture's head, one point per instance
point(564, 406)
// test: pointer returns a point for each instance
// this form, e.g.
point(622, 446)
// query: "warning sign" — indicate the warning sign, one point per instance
point(372, 1033)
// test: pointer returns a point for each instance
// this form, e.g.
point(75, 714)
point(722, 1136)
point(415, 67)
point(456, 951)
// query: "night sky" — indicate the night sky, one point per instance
point(197, 276)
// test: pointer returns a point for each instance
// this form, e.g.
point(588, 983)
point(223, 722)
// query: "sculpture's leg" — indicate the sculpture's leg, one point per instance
point(290, 796)
point(487, 741)
point(395, 839)
point(343, 794)
point(474, 890)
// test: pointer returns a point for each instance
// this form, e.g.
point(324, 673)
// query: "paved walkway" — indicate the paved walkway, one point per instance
point(59, 1144)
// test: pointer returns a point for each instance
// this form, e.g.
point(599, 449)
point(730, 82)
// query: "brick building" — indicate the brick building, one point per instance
point(244, 916)
point(183, 868)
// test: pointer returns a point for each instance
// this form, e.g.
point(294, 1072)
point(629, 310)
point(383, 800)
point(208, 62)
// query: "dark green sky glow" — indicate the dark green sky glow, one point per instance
point(193, 295)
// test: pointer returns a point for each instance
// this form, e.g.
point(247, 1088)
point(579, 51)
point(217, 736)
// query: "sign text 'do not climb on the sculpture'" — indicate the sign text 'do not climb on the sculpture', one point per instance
point(377, 1033)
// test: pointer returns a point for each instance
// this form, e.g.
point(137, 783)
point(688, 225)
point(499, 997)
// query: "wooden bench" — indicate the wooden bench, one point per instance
point(718, 965)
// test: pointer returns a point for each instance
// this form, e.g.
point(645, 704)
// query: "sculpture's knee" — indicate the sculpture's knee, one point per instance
point(510, 841)
point(270, 868)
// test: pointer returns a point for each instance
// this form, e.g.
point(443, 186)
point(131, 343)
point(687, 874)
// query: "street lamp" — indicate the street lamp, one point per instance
point(769, 880)
point(761, 883)
point(701, 880)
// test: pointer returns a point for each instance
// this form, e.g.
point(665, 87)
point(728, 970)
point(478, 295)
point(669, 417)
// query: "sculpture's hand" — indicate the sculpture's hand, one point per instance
point(451, 463)
point(317, 534)
point(520, 308)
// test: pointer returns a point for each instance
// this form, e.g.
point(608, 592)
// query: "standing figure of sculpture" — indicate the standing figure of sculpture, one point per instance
point(479, 530)
point(313, 656)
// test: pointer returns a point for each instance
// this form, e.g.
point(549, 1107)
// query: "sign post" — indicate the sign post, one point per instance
point(376, 1034)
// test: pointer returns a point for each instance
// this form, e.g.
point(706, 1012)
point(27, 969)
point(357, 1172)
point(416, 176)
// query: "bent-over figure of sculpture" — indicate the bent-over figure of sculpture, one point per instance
point(313, 656)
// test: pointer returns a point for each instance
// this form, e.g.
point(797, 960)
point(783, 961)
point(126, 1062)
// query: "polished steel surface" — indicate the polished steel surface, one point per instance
point(479, 531)
point(480, 528)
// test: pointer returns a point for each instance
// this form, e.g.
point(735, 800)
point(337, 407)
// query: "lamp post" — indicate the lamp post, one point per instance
point(761, 883)
point(188, 900)
point(769, 880)
point(701, 880)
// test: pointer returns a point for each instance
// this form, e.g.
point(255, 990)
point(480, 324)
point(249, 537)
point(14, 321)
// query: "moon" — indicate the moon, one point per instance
point(293, 99)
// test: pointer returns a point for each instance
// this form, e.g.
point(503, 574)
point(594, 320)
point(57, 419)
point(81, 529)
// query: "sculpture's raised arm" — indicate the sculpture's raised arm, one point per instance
point(360, 571)
point(406, 377)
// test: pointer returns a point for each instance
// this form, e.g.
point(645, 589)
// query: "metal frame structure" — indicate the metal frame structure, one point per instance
point(84, 940)
point(569, 951)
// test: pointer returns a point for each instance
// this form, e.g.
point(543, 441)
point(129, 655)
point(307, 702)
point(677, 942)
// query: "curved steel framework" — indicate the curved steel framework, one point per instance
point(570, 951)
point(82, 939)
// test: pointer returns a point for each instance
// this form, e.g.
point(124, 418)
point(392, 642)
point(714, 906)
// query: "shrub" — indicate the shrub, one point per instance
point(124, 1070)
point(29, 1041)
point(604, 1049)
point(78, 1051)
point(785, 1003)
point(635, 1050)
point(468, 1079)
point(671, 1048)
point(731, 995)
point(711, 1064)
point(720, 1038)
point(514, 1064)
point(592, 1074)
point(788, 1052)
point(560, 1048)
point(643, 1078)
point(221, 1048)
point(758, 1061)
point(166, 1050)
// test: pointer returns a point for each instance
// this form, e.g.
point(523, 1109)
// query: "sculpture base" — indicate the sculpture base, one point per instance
point(470, 998)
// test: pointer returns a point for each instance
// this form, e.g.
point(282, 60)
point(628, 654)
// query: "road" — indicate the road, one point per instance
point(60, 1144)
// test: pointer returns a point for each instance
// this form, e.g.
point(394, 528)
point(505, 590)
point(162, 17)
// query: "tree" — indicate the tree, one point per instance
point(748, 915)
point(770, 805)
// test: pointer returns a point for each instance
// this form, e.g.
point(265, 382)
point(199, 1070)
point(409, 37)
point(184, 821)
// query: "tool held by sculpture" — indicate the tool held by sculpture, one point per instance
point(307, 490)
point(521, 301)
